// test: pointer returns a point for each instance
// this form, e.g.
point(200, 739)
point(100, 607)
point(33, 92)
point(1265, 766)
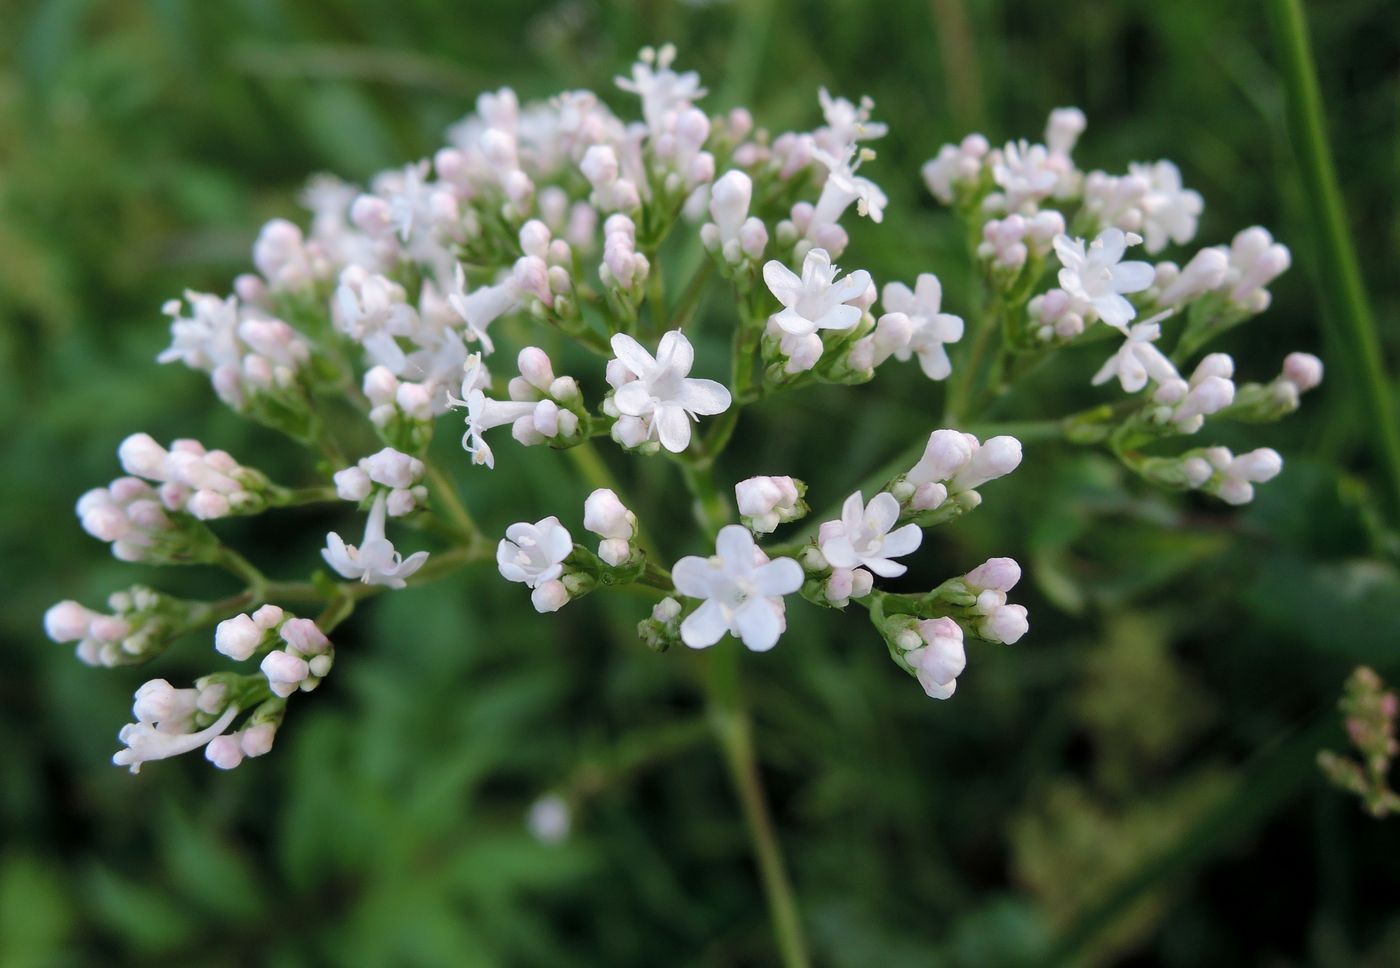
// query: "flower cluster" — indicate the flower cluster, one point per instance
point(1029, 203)
point(544, 224)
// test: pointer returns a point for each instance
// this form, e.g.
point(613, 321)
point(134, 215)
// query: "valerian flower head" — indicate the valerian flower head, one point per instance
point(742, 592)
point(663, 392)
point(374, 561)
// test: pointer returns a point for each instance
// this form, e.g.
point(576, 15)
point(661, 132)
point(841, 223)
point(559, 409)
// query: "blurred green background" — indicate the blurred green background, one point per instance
point(1131, 784)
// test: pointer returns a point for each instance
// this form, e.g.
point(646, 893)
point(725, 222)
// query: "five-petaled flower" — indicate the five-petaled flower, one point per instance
point(1099, 277)
point(663, 390)
point(742, 591)
point(863, 537)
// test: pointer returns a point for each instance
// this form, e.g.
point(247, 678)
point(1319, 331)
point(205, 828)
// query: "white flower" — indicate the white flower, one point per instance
point(482, 307)
point(1138, 360)
point(843, 186)
point(164, 717)
point(1099, 277)
point(931, 328)
point(1027, 174)
point(940, 659)
point(742, 591)
point(863, 536)
point(990, 581)
point(375, 561)
point(534, 553)
point(663, 390)
point(816, 300)
point(661, 89)
point(1170, 212)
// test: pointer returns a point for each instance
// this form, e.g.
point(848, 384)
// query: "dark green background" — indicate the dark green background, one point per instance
point(1131, 784)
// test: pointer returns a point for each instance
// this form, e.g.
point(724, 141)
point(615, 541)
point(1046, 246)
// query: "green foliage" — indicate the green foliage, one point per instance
point(1135, 778)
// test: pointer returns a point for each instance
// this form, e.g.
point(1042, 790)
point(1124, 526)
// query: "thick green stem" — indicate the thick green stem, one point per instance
point(1343, 290)
point(734, 730)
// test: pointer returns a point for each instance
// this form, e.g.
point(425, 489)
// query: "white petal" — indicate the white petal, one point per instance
point(632, 355)
point(1132, 276)
point(735, 547)
point(782, 576)
point(675, 353)
point(634, 399)
point(882, 511)
point(694, 576)
point(759, 622)
point(883, 567)
point(672, 428)
point(706, 397)
point(904, 541)
point(782, 282)
point(705, 626)
point(839, 552)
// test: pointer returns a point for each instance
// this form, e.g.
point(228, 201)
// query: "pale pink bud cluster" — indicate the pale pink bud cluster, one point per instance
point(304, 661)
point(244, 355)
point(1007, 242)
point(1204, 273)
point(1186, 404)
point(611, 191)
point(390, 397)
point(396, 474)
point(935, 652)
point(954, 462)
point(128, 514)
point(1232, 478)
point(734, 235)
point(605, 515)
point(207, 484)
point(623, 266)
point(990, 581)
point(129, 634)
point(1301, 373)
point(766, 502)
point(1255, 261)
point(537, 380)
point(956, 167)
point(243, 635)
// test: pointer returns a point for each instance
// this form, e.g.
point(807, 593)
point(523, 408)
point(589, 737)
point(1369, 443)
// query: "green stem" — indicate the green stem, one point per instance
point(734, 731)
point(446, 489)
point(238, 566)
point(1336, 256)
point(691, 296)
point(656, 293)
